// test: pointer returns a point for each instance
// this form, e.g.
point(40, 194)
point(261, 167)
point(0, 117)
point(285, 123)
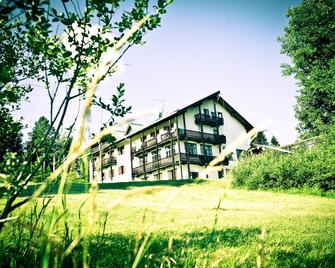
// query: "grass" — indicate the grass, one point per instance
point(206, 224)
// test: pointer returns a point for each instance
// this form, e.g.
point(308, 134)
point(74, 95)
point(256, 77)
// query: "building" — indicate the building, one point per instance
point(178, 146)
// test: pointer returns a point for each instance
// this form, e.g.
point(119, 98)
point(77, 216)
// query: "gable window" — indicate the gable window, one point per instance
point(190, 148)
point(143, 138)
point(220, 114)
point(213, 114)
point(206, 150)
point(206, 112)
point(152, 134)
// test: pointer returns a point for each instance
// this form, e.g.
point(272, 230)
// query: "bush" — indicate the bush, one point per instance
point(313, 168)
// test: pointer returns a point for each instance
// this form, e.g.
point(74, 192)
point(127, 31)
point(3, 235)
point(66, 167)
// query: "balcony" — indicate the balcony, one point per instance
point(204, 119)
point(162, 163)
point(168, 161)
point(109, 161)
point(196, 159)
point(197, 136)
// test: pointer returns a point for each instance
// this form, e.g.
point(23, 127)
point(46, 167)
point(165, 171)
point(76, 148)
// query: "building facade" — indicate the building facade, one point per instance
point(178, 146)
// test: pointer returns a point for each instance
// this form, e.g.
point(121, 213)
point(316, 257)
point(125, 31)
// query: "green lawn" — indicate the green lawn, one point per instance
point(209, 225)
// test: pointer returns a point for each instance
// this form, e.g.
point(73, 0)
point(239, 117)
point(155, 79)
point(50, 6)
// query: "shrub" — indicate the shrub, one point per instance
point(313, 168)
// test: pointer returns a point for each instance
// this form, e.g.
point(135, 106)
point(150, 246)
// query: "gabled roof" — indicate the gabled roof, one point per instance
point(216, 95)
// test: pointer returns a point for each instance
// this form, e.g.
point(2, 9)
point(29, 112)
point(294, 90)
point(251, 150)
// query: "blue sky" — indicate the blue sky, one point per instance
point(205, 46)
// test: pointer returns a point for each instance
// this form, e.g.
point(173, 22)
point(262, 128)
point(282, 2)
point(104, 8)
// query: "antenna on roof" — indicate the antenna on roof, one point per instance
point(161, 112)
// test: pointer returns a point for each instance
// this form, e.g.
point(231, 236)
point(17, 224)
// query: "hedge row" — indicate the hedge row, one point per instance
point(314, 168)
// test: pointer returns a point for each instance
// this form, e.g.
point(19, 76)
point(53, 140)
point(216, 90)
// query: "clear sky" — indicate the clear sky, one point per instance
point(205, 46)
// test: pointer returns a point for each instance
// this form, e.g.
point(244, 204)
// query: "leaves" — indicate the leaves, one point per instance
point(309, 41)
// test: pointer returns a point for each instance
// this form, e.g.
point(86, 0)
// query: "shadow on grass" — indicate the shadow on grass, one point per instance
point(116, 250)
point(80, 188)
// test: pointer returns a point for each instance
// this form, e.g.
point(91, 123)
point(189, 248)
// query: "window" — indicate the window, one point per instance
point(121, 170)
point(112, 173)
point(143, 138)
point(182, 132)
point(120, 150)
point(157, 177)
point(220, 114)
point(213, 114)
point(215, 131)
point(220, 174)
point(206, 112)
point(152, 134)
point(171, 125)
point(206, 150)
point(144, 159)
point(168, 151)
point(194, 175)
point(167, 128)
point(190, 148)
point(155, 157)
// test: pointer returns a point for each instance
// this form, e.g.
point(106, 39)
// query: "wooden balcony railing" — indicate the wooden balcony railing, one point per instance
point(109, 161)
point(201, 137)
point(168, 161)
point(208, 120)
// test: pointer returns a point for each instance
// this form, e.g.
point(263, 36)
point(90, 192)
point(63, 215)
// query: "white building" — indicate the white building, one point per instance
point(178, 146)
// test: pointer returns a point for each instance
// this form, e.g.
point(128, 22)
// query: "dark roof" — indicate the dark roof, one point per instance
point(225, 104)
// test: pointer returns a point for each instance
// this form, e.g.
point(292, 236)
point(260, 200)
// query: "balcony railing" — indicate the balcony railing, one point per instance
point(190, 135)
point(208, 120)
point(162, 163)
point(201, 136)
point(109, 161)
point(196, 159)
point(168, 161)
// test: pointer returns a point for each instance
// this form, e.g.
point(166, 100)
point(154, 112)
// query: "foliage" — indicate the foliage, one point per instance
point(309, 42)
point(45, 143)
point(10, 134)
point(57, 46)
point(313, 167)
point(274, 141)
point(260, 139)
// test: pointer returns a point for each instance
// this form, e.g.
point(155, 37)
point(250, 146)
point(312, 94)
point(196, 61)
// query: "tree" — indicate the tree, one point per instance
point(309, 42)
point(260, 139)
point(43, 133)
point(96, 34)
point(274, 141)
point(10, 134)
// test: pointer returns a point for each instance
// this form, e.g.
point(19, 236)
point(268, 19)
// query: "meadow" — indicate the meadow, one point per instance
point(200, 224)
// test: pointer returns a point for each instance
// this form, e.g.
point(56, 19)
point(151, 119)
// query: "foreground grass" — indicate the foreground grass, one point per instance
point(208, 225)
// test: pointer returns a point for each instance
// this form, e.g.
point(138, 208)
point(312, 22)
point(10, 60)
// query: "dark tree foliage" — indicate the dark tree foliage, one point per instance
point(274, 141)
point(10, 134)
point(260, 139)
point(309, 41)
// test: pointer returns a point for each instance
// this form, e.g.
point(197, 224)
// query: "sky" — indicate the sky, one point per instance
point(205, 46)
